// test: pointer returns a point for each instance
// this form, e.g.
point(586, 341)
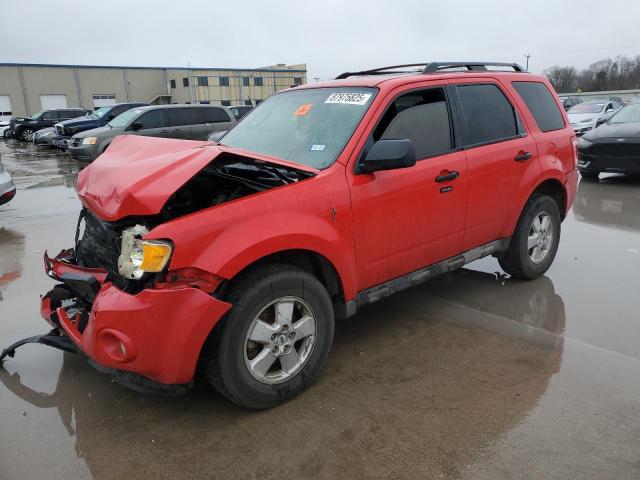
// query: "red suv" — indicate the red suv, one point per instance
point(236, 257)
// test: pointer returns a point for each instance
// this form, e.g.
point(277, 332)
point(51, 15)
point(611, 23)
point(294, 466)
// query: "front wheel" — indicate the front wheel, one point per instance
point(26, 134)
point(275, 339)
point(535, 241)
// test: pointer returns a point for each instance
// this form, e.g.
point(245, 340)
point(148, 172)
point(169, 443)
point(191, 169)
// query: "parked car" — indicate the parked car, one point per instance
point(612, 147)
point(23, 128)
point(568, 102)
point(236, 258)
point(587, 116)
point(240, 111)
point(44, 137)
point(4, 129)
point(7, 188)
point(98, 118)
point(194, 122)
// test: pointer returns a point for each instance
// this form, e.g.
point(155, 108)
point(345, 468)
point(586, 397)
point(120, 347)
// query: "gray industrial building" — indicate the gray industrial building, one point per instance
point(28, 88)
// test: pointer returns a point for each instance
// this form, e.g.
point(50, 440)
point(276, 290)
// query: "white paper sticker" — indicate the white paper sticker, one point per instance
point(318, 148)
point(348, 98)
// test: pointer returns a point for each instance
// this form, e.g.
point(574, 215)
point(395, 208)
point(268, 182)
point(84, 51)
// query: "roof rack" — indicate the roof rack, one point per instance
point(433, 67)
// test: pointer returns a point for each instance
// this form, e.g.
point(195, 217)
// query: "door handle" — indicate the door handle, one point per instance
point(522, 156)
point(447, 177)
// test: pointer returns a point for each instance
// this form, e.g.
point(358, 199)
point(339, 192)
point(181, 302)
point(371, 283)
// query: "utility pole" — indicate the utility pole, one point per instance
point(527, 56)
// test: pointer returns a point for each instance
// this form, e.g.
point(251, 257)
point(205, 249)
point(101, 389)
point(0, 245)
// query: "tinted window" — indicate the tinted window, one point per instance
point(421, 117)
point(182, 116)
point(541, 105)
point(212, 115)
point(152, 119)
point(203, 81)
point(185, 81)
point(488, 114)
point(224, 81)
point(257, 81)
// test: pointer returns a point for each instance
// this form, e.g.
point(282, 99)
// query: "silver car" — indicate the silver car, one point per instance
point(190, 122)
point(7, 188)
point(587, 116)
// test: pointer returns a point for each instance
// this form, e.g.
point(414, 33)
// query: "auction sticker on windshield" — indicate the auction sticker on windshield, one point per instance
point(348, 98)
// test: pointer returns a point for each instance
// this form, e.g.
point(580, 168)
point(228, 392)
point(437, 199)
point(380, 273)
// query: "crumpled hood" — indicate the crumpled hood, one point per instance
point(137, 175)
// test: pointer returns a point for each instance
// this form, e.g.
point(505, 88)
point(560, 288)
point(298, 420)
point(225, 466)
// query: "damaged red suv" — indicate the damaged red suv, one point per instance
point(235, 258)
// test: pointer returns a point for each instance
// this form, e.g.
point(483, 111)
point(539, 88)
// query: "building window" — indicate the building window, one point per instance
point(185, 81)
point(173, 83)
point(257, 81)
point(245, 81)
point(203, 81)
point(226, 103)
point(205, 102)
point(224, 81)
point(297, 80)
point(248, 102)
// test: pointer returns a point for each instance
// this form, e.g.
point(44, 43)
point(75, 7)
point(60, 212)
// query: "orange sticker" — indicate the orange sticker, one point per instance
point(303, 109)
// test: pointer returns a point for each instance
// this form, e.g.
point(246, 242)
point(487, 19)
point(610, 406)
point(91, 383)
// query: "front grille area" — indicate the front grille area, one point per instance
point(76, 142)
point(98, 246)
point(60, 129)
point(627, 150)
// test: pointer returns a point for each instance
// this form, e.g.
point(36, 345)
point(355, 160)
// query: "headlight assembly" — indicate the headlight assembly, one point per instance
point(138, 256)
point(89, 140)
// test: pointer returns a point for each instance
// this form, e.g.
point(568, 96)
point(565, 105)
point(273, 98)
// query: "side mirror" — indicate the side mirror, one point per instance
point(135, 126)
point(388, 155)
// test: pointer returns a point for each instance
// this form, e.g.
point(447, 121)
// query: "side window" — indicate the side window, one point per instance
point(185, 81)
point(541, 105)
point(182, 116)
point(118, 110)
point(224, 81)
point(420, 116)
point(152, 119)
point(50, 115)
point(213, 115)
point(488, 115)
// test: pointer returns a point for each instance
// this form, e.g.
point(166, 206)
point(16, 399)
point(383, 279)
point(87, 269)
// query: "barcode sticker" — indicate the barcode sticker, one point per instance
point(348, 98)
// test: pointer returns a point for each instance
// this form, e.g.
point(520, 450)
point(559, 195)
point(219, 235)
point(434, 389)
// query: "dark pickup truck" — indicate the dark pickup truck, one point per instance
point(24, 128)
point(98, 118)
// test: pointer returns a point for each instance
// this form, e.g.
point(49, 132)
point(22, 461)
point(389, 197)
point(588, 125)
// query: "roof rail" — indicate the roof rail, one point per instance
point(432, 67)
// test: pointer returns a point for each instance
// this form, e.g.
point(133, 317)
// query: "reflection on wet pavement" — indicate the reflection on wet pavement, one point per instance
point(473, 375)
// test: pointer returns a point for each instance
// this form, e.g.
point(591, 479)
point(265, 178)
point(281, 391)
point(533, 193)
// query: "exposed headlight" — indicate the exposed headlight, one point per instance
point(584, 143)
point(587, 120)
point(89, 140)
point(138, 256)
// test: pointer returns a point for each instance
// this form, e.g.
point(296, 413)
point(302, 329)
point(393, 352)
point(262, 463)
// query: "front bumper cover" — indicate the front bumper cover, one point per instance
point(156, 334)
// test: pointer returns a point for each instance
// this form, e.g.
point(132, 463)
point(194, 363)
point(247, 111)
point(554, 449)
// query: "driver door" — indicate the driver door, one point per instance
point(409, 218)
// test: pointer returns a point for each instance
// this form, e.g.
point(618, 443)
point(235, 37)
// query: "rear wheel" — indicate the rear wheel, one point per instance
point(535, 241)
point(275, 339)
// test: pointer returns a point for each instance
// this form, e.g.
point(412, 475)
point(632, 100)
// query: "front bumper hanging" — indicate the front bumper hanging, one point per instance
point(52, 339)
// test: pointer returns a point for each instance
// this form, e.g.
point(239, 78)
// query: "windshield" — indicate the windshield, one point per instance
point(101, 112)
point(630, 113)
point(36, 116)
point(587, 108)
point(309, 126)
point(123, 119)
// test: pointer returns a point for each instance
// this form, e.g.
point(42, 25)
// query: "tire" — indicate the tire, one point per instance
point(526, 263)
point(25, 133)
point(229, 353)
point(590, 175)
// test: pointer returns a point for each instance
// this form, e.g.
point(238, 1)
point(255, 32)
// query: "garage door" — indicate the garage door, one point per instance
point(103, 100)
point(5, 107)
point(53, 101)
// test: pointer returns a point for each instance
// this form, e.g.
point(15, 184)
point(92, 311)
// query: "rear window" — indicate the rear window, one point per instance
point(489, 115)
point(541, 105)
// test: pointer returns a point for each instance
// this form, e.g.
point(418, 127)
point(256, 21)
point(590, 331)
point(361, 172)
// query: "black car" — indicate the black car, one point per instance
point(98, 118)
point(568, 102)
point(23, 128)
point(612, 147)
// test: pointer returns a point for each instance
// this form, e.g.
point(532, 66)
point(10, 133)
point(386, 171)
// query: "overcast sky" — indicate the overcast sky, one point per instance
point(331, 36)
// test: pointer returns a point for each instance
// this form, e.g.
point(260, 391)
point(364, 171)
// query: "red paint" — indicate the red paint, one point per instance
point(371, 228)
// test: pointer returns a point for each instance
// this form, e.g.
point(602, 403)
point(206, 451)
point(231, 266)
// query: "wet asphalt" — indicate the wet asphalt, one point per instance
point(472, 375)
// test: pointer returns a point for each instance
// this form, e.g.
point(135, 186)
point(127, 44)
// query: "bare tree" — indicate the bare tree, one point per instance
point(619, 73)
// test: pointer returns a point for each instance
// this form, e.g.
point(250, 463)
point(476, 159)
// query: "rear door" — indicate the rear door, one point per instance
point(499, 155)
point(213, 119)
point(180, 121)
